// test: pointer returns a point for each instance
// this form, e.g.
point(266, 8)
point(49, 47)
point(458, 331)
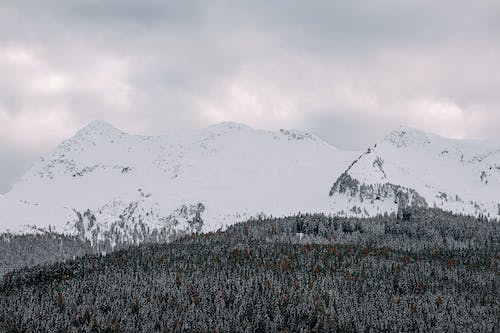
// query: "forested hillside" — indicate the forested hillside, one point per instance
point(422, 270)
point(17, 251)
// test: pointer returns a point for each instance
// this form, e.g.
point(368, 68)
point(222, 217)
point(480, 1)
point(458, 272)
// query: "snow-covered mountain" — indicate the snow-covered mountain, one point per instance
point(112, 187)
point(109, 186)
point(410, 167)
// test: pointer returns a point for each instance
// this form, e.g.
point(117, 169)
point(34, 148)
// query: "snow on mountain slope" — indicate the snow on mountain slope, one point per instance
point(109, 186)
point(410, 167)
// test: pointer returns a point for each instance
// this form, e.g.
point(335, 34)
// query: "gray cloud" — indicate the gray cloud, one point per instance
point(347, 70)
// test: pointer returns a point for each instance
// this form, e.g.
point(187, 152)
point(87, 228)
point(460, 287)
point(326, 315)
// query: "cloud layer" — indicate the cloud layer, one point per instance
point(348, 71)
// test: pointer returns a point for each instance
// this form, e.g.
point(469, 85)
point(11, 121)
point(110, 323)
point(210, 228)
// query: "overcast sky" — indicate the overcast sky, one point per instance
point(348, 71)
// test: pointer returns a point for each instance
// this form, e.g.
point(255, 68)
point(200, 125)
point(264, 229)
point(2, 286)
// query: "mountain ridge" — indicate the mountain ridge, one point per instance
point(106, 185)
point(447, 173)
point(103, 181)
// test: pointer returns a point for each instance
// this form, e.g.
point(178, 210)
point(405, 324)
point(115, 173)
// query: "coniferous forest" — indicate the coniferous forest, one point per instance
point(419, 270)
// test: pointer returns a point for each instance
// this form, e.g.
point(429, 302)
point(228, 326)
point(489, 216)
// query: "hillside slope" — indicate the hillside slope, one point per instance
point(410, 167)
point(109, 186)
point(433, 272)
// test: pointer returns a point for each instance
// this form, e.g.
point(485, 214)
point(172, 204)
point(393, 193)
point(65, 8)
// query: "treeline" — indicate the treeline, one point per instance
point(423, 270)
point(411, 229)
point(18, 251)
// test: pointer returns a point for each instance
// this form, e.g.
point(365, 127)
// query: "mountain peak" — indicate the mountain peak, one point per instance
point(99, 128)
point(100, 125)
point(405, 136)
point(229, 126)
